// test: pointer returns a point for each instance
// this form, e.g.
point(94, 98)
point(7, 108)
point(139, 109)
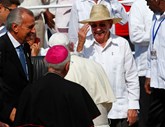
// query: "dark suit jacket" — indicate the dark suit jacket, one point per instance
point(12, 77)
point(55, 102)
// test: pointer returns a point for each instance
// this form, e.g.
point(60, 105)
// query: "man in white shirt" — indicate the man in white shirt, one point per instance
point(155, 81)
point(140, 19)
point(115, 56)
point(81, 10)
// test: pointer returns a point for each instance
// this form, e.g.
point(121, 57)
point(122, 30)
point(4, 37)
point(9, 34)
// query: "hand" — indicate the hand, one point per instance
point(132, 116)
point(12, 114)
point(147, 86)
point(49, 19)
point(35, 49)
point(82, 37)
point(71, 47)
point(3, 124)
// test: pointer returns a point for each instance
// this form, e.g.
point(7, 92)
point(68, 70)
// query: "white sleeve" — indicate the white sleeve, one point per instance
point(118, 11)
point(148, 62)
point(139, 24)
point(132, 81)
point(73, 25)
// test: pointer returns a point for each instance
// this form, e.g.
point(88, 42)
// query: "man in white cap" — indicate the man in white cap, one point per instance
point(115, 56)
point(53, 101)
point(91, 76)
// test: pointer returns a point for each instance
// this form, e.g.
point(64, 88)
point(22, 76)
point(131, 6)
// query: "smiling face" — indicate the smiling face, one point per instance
point(101, 31)
point(25, 30)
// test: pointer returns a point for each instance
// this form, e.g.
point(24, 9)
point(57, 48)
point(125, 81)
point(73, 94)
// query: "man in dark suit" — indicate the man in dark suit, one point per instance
point(53, 101)
point(13, 77)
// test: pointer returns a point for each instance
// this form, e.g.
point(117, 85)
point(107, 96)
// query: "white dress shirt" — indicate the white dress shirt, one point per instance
point(117, 60)
point(81, 10)
point(140, 19)
point(156, 66)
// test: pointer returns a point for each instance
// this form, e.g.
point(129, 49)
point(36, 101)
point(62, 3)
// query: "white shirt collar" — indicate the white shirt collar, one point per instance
point(13, 40)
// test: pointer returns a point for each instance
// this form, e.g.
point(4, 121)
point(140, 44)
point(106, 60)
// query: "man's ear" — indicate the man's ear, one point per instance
point(15, 27)
point(67, 65)
point(162, 5)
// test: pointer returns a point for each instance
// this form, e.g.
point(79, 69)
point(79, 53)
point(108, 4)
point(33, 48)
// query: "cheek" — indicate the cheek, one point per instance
point(30, 43)
point(2, 17)
point(24, 35)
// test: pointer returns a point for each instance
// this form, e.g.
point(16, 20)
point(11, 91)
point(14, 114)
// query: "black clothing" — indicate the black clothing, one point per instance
point(121, 123)
point(144, 103)
point(156, 117)
point(55, 102)
point(12, 76)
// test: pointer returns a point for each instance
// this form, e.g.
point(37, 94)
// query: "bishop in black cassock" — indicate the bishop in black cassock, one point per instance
point(53, 101)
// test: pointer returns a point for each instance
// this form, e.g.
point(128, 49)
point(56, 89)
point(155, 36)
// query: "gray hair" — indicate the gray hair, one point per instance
point(59, 67)
point(15, 16)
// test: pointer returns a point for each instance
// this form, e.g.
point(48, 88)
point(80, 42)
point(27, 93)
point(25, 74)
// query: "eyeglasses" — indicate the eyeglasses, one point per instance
point(100, 25)
point(8, 8)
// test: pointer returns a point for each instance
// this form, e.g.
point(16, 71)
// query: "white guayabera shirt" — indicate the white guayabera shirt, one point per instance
point(117, 60)
point(156, 67)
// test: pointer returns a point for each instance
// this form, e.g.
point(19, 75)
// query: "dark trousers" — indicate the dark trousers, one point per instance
point(156, 116)
point(121, 123)
point(144, 103)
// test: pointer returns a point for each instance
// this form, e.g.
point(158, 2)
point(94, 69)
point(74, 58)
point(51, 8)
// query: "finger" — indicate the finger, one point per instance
point(86, 29)
point(147, 89)
point(131, 121)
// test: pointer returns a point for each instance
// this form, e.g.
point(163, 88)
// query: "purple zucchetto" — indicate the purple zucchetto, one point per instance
point(56, 54)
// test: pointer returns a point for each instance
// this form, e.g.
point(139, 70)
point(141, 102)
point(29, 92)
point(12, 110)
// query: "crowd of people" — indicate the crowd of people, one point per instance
point(105, 64)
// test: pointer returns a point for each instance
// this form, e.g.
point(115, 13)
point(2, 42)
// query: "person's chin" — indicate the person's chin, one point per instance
point(99, 36)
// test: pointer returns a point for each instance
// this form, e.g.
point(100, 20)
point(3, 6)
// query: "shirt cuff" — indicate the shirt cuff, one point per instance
point(148, 74)
point(134, 105)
